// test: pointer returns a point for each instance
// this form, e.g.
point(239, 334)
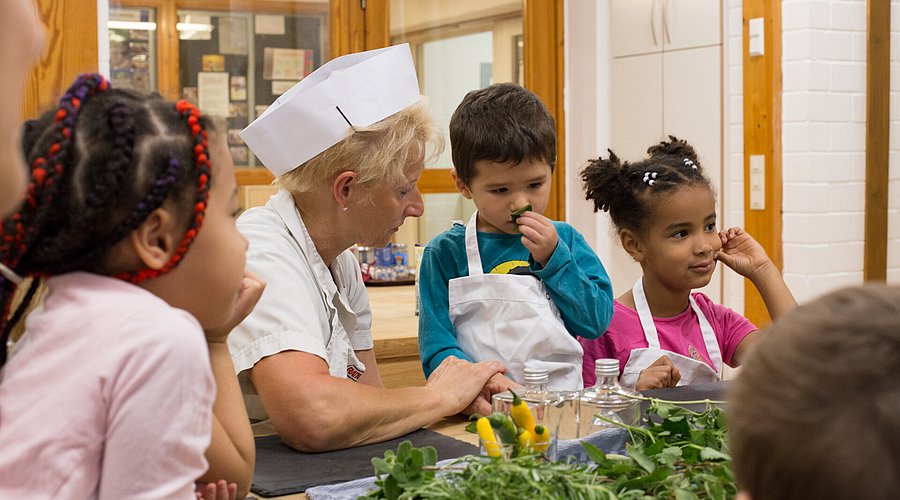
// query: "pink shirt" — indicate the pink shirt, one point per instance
point(679, 334)
point(108, 395)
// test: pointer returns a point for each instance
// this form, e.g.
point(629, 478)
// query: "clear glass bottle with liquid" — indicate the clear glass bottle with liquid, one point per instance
point(555, 410)
point(607, 399)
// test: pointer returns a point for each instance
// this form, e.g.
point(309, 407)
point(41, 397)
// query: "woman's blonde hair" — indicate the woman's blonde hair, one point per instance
point(378, 153)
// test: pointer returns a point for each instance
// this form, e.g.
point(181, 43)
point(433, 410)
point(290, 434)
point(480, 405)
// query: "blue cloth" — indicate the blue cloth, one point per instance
point(574, 278)
point(611, 441)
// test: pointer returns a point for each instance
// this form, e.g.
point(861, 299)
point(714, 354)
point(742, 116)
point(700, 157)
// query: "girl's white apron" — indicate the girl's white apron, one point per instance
point(691, 369)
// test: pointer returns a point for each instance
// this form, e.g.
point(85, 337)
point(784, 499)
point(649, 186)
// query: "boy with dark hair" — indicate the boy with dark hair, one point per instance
point(815, 410)
point(511, 285)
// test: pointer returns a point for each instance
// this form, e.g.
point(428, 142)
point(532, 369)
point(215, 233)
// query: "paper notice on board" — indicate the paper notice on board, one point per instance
point(286, 64)
point(212, 93)
point(233, 35)
point(280, 86)
point(267, 24)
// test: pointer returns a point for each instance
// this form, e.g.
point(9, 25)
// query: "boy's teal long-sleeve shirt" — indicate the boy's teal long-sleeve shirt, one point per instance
point(574, 278)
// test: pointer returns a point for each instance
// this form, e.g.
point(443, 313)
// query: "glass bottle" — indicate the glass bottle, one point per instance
point(607, 399)
point(556, 410)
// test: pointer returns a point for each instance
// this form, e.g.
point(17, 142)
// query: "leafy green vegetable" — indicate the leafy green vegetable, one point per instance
point(675, 454)
point(518, 212)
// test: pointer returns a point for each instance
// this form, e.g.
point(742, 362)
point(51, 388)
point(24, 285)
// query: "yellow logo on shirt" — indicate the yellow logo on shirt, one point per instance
point(511, 267)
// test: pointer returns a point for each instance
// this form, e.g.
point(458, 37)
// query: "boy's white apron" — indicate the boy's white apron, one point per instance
point(511, 318)
point(691, 369)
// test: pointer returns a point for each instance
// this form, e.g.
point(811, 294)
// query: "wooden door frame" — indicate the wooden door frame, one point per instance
point(70, 48)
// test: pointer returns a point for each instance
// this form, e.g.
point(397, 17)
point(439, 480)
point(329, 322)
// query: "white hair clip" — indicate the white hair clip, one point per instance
point(649, 178)
point(690, 163)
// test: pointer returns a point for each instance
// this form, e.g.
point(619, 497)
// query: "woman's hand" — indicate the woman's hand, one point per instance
point(538, 235)
point(662, 373)
point(252, 287)
point(482, 403)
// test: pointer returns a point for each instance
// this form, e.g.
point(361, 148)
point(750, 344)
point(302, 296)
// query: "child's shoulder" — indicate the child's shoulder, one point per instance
point(451, 240)
point(566, 231)
point(109, 310)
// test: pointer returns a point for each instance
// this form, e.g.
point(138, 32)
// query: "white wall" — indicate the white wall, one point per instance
point(733, 140)
point(823, 144)
point(587, 105)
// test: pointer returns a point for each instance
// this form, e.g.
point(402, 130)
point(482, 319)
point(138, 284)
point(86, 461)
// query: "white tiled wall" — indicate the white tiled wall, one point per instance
point(823, 144)
point(733, 173)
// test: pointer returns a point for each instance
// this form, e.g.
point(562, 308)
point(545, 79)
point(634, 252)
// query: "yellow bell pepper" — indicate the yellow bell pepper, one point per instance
point(541, 438)
point(521, 414)
point(486, 433)
point(526, 441)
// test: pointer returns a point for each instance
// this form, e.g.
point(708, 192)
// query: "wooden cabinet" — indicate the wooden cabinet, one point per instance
point(666, 80)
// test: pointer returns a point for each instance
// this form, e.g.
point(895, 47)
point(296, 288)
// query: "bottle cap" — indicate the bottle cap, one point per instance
point(607, 367)
point(536, 376)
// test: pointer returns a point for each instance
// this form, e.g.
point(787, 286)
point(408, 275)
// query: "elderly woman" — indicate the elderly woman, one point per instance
point(305, 355)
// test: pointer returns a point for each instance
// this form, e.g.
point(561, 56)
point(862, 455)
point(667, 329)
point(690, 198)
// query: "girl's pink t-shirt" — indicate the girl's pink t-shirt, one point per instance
point(680, 334)
point(108, 394)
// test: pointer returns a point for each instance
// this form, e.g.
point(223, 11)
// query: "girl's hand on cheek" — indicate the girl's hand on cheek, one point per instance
point(539, 236)
point(252, 287)
point(742, 253)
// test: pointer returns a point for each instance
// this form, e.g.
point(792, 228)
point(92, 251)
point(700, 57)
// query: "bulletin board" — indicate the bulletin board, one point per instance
point(241, 62)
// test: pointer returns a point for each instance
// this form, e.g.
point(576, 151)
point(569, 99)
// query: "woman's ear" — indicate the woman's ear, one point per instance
point(460, 185)
point(632, 244)
point(155, 240)
point(343, 187)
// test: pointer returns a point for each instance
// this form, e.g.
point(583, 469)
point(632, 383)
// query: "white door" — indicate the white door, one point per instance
point(637, 104)
point(692, 110)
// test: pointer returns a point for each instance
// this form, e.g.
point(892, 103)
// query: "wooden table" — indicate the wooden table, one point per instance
point(395, 330)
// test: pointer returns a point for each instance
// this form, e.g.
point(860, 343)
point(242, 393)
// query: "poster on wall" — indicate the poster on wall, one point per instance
point(233, 35)
point(286, 64)
point(213, 62)
point(280, 86)
point(212, 92)
point(267, 24)
point(239, 88)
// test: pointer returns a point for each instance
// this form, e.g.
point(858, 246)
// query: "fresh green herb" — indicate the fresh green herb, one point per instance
point(676, 454)
point(515, 215)
point(408, 468)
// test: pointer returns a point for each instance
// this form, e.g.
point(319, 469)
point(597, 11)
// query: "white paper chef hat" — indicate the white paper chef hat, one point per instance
point(358, 89)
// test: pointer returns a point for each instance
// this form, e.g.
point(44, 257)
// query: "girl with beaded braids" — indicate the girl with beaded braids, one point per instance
point(664, 210)
point(129, 220)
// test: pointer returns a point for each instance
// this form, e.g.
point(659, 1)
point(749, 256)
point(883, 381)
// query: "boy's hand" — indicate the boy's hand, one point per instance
point(538, 235)
point(251, 290)
point(742, 253)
